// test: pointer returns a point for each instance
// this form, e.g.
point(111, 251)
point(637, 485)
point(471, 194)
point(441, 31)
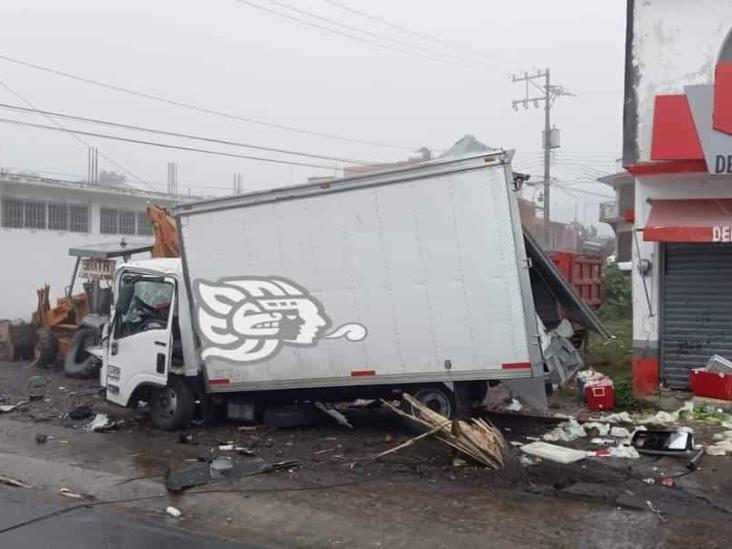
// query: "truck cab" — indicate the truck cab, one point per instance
point(148, 345)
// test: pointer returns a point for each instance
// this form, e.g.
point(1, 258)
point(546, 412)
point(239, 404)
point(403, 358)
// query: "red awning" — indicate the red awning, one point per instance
point(707, 220)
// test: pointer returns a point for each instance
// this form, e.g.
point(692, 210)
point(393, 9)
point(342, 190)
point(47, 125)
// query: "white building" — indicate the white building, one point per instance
point(677, 144)
point(40, 219)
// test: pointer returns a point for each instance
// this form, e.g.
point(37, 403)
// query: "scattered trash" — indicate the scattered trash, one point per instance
point(667, 481)
point(101, 422)
point(553, 452)
point(619, 432)
point(601, 440)
point(514, 406)
point(335, 414)
point(474, 437)
point(602, 429)
point(173, 511)
point(666, 417)
point(65, 492)
point(13, 482)
point(221, 468)
point(721, 448)
point(185, 438)
point(567, 432)
point(618, 417)
point(663, 442)
point(80, 412)
point(226, 447)
point(41, 438)
point(658, 512)
point(62, 388)
point(35, 396)
point(37, 381)
point(625, 452)
point(247, 428)
point(242, 451)
point(726, 435)
point(719, 364)
point(5, 408)
point(528, 461)
point(649, 480)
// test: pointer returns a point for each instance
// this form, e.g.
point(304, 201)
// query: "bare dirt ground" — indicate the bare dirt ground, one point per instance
point(338, 496)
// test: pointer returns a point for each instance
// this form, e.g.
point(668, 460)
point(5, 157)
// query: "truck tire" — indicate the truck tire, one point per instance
point(78, 363)
point(172, 407)
point(437, 398)
point(46, 347)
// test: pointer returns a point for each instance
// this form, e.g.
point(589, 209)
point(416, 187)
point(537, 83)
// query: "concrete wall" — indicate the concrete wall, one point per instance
point(30, 258)
point(674, 43)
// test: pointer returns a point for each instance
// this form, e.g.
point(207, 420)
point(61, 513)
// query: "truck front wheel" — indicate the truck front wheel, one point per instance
point(172, 407)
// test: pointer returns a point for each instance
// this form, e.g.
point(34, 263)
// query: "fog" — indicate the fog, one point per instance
point(229, 56)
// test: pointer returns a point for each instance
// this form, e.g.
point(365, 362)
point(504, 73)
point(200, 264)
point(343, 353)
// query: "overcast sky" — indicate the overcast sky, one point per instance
point(392, 87)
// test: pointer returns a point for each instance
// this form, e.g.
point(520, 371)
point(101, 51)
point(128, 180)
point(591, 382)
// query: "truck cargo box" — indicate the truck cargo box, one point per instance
point(407, 276)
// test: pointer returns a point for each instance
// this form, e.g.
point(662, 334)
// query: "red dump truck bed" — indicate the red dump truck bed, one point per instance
point(584, 272)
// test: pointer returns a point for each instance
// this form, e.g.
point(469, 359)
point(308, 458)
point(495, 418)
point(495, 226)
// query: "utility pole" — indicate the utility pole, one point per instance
point(550, 138)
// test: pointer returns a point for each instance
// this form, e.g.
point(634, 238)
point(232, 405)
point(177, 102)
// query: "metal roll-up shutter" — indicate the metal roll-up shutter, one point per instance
point(696, 309)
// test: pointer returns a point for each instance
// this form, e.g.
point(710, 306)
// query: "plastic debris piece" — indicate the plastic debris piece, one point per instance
point(65, 492)
point(603, 429)
point(9, 481)
point(99, 423)
point(618, 417)
point(226, 447)
point(5, 408)
point(37, 381)
point(667, 481)
point(514, 406)
point(649, 480)
point(335, 414)
point(620, 432)
point(174, 511)
point(567, 432)
point(601, 440)
point(722, 448)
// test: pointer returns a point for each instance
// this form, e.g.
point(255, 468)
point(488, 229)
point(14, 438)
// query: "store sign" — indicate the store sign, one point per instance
point(97, 269)
point(717, 146)
point(722, 233)
point(723, 164)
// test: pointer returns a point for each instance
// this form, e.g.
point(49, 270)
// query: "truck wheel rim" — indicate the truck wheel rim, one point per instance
point(437, 402)
point(167, 403)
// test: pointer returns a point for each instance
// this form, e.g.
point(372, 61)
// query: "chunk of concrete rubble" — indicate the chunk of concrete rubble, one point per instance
point(553, 452)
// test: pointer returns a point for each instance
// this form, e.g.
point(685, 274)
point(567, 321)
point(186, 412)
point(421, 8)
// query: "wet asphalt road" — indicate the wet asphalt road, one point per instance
point(89, 528)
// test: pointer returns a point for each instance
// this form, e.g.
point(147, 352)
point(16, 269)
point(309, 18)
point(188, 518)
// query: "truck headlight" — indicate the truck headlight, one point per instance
point(113, 373)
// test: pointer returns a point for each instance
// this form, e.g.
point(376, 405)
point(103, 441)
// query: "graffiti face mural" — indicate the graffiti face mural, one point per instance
point(247, 319)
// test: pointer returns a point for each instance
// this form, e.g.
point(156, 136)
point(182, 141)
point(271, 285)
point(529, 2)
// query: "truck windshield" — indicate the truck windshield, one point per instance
point(149, 308)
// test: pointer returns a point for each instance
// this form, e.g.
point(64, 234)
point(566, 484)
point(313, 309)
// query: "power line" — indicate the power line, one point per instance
point(198, 108)
point(49, 117)
point(165, 145)
point(181, 135)
point(431, 54)
point(332, 30)
point(582, 191)
point(407, 30)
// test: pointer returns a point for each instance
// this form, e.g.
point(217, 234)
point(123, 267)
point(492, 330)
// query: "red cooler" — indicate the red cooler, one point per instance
point(600, 395)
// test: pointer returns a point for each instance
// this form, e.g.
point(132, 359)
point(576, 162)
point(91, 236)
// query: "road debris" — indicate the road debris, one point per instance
point(335, 414)
point(174, 511)
point(667, 481)
point(553, 452)
point(65, 492)
point(657, 511)
point(721, 448)
point(41, 438)
point(100, 422)
point(412, 441)
point(37, 381)
point(625, 452)
point(663, 442)
point(567, 432)
point(473, 437)
point(514, 406)
point(9, 481)
point(221, 468)
point(81, 412)
point(5, 408)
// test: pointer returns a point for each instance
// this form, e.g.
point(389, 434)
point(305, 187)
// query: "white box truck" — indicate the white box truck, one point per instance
point(412, 279)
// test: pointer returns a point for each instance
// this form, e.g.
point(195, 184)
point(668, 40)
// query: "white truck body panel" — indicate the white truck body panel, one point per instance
point(423, 269)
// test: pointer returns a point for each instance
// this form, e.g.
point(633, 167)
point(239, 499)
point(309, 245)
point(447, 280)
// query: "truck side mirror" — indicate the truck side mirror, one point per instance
point(126, 291)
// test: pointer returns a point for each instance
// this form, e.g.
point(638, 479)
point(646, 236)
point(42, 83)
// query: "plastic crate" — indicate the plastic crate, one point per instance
point(711, 384)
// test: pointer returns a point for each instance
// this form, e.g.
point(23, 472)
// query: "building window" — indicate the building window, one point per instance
point(143, 224)
point(108, 221)
point(35, 215)
point(58, 217)
point(78, 219)
point(126, 222)
point(12, 213)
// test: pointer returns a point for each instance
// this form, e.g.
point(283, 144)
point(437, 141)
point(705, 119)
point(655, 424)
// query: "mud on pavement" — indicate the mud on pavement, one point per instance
point(333, 493)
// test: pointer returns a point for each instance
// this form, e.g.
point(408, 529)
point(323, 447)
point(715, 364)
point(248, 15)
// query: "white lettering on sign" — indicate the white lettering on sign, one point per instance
point(722, 233)
point(97, 269)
